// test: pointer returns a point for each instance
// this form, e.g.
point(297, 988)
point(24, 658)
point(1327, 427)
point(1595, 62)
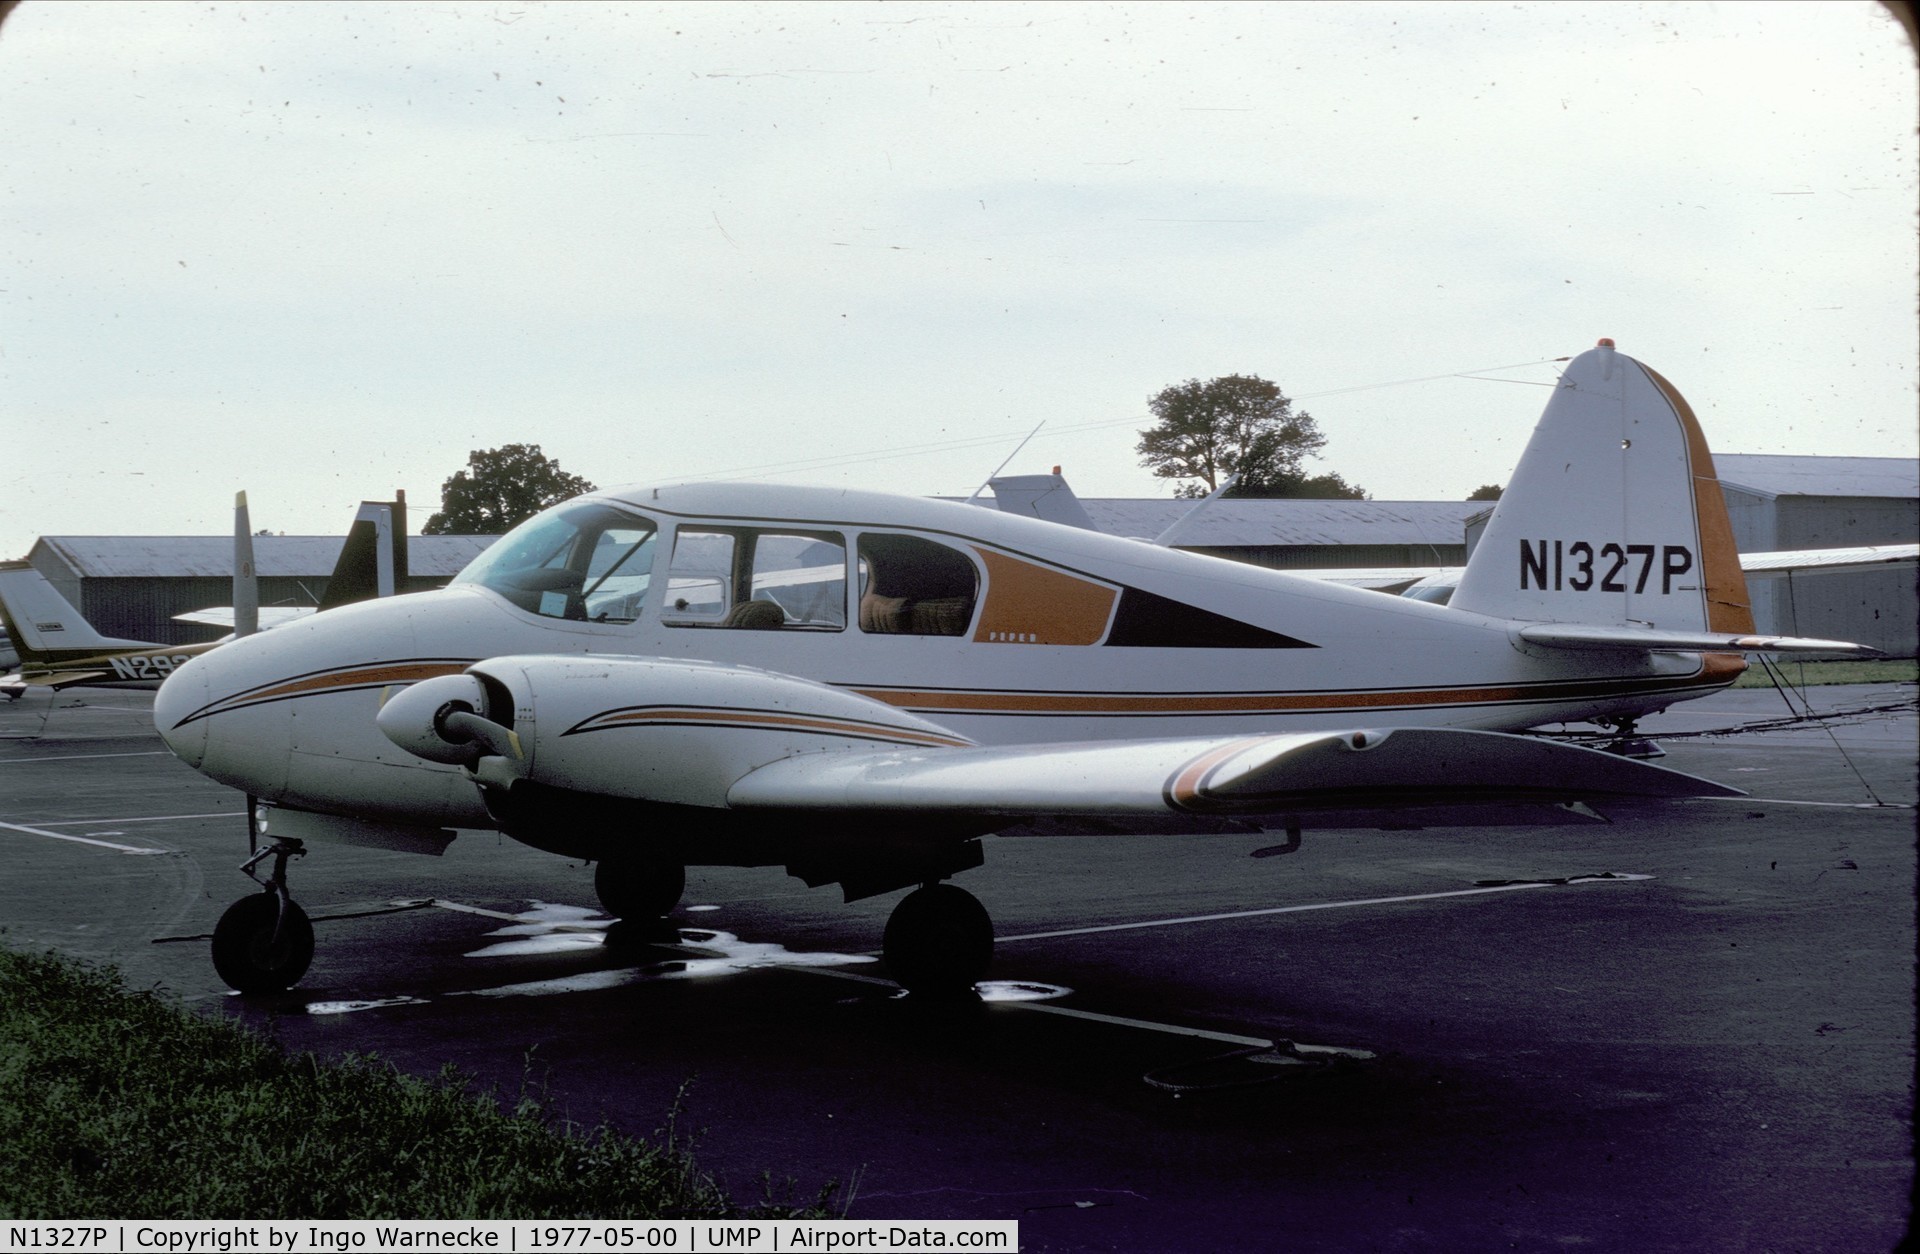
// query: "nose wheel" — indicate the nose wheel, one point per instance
point(264, 943)
point(939, 941)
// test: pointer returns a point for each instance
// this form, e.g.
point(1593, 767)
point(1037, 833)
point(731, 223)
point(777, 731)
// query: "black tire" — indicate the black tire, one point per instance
point(639, 887)
point(938, 941)
point(245, 953)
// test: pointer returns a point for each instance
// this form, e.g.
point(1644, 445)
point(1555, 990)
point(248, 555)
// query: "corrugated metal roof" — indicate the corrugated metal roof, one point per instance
point(1238, 524)
point(298, 557)
point(1777, 474)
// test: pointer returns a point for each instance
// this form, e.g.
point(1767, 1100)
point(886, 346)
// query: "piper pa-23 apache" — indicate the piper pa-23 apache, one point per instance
point(859, 687)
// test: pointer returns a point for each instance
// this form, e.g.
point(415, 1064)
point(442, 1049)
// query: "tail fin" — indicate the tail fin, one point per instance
point(373, 561)
point(1614, 516)
point(44, 625)
point(246, 581)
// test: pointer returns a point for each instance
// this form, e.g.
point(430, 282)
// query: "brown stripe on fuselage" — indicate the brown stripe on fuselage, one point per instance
point(345, 680)
point(722, 716)
point(962, 702)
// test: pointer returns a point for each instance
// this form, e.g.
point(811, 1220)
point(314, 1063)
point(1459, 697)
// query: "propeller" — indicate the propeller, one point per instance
point(446, 719)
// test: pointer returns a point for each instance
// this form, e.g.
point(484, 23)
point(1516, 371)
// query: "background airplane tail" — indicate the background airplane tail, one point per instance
point(1614, 516)
point(44, 625)
point(373, 561)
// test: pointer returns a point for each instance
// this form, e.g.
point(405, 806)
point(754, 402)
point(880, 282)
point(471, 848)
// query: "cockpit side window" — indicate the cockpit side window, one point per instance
point(913, 586)
point(758, 579)
point(586, 561)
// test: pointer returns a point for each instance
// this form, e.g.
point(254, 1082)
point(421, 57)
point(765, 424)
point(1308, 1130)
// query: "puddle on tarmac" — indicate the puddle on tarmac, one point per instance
point(1019, 990)
point(548, 928)
point(348, 1007)
point(733, 954)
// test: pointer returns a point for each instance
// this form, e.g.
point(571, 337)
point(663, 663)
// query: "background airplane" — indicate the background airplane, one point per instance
point(57, 648)
point(617, 680)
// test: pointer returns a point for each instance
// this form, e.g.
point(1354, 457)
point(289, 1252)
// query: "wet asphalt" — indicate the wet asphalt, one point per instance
point(1690, 1029)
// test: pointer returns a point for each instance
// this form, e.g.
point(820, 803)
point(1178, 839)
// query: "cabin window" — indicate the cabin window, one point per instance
point(912, 586)
point(752, 579)
point(586, 561)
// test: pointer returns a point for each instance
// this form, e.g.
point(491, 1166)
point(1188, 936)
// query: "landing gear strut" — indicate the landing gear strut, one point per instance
point(1627, 741)
point(264, 943)
point(939, 941)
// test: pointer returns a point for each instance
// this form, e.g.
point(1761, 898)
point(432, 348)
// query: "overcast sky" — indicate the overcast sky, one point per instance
point(321, 251)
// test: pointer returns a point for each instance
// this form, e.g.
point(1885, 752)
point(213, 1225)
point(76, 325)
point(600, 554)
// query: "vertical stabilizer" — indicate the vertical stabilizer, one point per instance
point(1040, 496)
point(44, 625)
point(1614, 516)
point(246, 581)
point(373, 561)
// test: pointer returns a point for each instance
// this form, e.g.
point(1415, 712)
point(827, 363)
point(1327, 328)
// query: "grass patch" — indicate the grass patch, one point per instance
point(1892, 670)
point(117, 1104)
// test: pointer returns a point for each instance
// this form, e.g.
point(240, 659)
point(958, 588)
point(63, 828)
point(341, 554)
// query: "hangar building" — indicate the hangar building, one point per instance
point(132, 586)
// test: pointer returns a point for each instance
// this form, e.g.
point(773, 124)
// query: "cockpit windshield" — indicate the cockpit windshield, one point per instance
point(586, 561)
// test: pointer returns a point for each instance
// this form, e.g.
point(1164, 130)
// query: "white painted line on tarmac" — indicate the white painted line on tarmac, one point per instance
point(79, 840)
point(1828, 805)
point(1319, 905)
point(84, 757)
point(1171, 1029)
point(152, 818)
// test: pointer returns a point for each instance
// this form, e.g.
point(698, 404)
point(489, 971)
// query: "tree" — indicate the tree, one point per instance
point(1236, 424)
point(500, 488)
point(1486, 492)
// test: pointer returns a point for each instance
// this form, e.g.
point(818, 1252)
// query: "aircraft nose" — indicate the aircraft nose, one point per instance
point(180, 697)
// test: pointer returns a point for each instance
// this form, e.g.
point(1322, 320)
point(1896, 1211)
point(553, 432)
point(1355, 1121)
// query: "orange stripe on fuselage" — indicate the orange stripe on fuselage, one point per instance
point(754, 718)
point(960, 702)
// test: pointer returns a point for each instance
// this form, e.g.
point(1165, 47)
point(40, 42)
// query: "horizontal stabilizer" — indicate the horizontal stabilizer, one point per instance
point(1579, 636)
point(1275, 774)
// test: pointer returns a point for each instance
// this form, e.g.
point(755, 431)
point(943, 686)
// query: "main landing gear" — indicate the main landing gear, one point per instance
point(264, 943)
point(639, 890)
point(939, 941)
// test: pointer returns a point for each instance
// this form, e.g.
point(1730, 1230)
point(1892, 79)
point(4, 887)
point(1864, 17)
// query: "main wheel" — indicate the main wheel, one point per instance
point(634, 886)
point(939, 940)
point(249, 957)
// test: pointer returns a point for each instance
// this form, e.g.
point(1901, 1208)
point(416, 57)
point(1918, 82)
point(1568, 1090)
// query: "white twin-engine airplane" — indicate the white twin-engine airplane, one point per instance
point(858, 687)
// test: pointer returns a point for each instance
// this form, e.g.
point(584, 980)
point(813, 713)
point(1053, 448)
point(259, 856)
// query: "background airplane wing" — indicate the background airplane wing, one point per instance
point(223, 615)
point(1828, 561)
point(1272, 774)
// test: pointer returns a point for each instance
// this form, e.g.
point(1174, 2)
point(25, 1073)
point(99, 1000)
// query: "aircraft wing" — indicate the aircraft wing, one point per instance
point(734, 738)
point(1593, 636)
point(1786, 562)
point(1271, 774)
point(222, 615)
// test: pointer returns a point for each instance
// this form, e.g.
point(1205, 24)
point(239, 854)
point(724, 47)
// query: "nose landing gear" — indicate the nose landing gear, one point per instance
point(264, 943)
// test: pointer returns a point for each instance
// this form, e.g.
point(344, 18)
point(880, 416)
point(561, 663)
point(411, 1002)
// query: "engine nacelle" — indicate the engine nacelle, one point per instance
point(645, 729)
